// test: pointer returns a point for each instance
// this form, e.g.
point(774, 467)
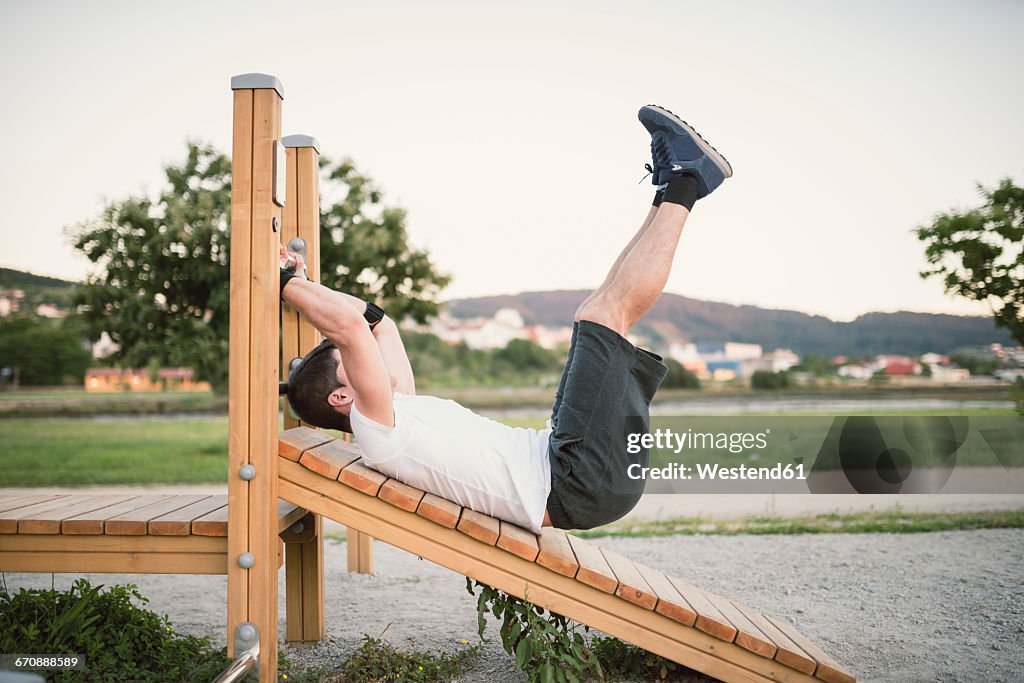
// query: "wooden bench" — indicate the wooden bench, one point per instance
point(559, 571)
point(133, 534)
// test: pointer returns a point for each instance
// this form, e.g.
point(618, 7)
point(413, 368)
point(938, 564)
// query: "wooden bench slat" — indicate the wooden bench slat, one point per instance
point(439, 510)
point(179, 522)
point(12, 502)
point(788, 653)
point(670, 602)
point(49, 521)
point(92, 522)
point(632, 586)
point(518, 541)
point(828, 669)
point(287, 514)
point(400, 495)
point(748, 636)
point(292, 443)
point(9, 518)
point(709, 619)
point(134, 523)
point(556, 553)
point(362, 478)
point(329, 459)
point(594, 570)
point(212, 524)
point(479, 526)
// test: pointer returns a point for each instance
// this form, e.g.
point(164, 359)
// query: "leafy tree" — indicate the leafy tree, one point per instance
point(43, 352)
point(815, 364)
point(979, 254)
point(523, 355)
point(160, 288)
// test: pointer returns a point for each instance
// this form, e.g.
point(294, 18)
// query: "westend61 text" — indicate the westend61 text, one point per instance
point(707, 472)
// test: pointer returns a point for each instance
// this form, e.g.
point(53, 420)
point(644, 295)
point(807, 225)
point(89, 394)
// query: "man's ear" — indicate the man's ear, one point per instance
point(340, 398)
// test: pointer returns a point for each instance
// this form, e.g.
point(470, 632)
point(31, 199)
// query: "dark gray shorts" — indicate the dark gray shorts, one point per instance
point(605, 392)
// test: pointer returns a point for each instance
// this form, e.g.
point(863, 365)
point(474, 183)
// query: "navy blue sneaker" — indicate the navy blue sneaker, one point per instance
point(677, 149)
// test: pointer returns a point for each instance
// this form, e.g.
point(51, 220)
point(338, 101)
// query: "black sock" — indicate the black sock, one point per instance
point(659, 197)
point(682, 191)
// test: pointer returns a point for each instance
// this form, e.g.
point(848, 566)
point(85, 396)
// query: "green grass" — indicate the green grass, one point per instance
point(891, 521)
point(61, 452)
point(79, 403)
point(187, 450)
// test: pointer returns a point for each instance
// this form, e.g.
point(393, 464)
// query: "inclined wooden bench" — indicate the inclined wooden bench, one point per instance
point(561, 572)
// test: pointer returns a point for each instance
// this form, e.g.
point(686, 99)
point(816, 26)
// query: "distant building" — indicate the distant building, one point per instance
point(101, 380)
point(50, 311)
point(900, 366)
point(778, 360)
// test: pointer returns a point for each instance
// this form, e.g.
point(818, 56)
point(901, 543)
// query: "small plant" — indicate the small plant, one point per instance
point(120, 639)
point(549, 647)
point(377, 661)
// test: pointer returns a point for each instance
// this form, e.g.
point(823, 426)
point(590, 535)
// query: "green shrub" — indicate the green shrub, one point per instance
point(679, 377)
point(549, 647)
point(120, 639)
point(377, 661)
point(766, 379)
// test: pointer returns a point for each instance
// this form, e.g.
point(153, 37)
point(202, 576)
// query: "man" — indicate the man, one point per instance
point(571, 475)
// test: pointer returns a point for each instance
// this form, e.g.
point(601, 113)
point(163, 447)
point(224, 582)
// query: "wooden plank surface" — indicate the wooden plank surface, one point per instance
point(92, 522)
point(179, 522)
point(49, 521)
point(292, 443)
point(556, 553)
point(594, 570)
point(632, 586)
point(135, 522)
point(12, 502)
point(362, 478)
point(439, 510)
point(748, 635)
point(670, 602)
point(788, 652)
point(479, 526)
point(518, 541)
point(96, 543)
point(287, 514)
point(828, 669)
point(709, 619)
point(329, 459)
point(213, 523)
point(400, 495)
point(9, 518)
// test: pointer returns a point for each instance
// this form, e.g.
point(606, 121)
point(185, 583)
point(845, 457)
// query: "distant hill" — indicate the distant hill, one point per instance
point(39, 289)
point(676, 318)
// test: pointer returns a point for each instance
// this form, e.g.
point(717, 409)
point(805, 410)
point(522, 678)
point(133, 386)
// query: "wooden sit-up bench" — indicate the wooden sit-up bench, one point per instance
point(561, 572)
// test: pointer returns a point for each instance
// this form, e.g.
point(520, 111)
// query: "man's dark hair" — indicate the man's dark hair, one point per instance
point(311, 383)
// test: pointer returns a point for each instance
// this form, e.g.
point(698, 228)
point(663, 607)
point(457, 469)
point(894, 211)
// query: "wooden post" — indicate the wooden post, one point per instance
point(304, 559)
point(253, 362)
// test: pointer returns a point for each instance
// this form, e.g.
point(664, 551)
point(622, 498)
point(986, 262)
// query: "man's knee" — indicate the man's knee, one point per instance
point(604, 311)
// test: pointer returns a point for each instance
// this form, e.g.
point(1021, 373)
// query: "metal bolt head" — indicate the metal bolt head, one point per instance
point(247, 472)
point(246, 560)
point(247, 632)
point(274, 223)
point(297, 528)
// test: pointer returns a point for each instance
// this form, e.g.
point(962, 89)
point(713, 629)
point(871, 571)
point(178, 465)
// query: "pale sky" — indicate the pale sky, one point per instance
point(509, 132)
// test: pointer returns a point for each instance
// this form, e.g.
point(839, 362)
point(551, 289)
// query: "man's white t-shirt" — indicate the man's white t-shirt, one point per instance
point(441, 447)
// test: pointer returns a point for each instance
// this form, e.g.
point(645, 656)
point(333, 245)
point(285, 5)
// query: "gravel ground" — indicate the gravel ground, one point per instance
point(943, 606)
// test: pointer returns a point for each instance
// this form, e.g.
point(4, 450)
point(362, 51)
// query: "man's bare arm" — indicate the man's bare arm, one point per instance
point(343, 324)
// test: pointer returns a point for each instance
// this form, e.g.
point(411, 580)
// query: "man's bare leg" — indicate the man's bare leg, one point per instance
point(618, 262)
point(641, 276)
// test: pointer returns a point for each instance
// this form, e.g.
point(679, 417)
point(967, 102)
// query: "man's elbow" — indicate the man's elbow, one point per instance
point(344, 320)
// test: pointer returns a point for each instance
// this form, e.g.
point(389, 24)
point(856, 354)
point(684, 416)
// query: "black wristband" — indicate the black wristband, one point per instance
point(286, 276)
point(373, 315)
